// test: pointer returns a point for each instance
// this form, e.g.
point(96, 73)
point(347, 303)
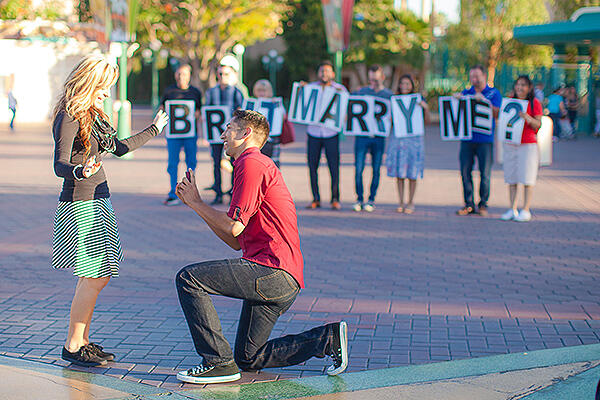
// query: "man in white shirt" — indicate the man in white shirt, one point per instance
point(324, 138)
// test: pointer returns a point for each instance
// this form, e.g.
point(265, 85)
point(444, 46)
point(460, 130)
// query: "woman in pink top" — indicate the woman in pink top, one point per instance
point(521, 161)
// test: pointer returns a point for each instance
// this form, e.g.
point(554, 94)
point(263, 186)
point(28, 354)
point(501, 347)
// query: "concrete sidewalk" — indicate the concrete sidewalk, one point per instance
point(415, 289)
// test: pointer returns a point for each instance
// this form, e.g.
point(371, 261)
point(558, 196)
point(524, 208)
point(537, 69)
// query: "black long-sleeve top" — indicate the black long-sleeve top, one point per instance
point(69, 152)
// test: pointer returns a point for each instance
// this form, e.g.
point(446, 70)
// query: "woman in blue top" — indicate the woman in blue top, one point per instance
point(556, 108)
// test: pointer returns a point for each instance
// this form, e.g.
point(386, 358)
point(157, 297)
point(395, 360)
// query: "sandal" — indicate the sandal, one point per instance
point(400, 210)
point(409, 209)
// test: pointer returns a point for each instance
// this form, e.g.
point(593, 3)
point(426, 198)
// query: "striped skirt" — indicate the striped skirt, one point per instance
point(86, 237)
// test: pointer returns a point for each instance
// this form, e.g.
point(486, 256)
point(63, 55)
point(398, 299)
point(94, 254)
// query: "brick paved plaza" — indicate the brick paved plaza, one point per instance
point(415, 289)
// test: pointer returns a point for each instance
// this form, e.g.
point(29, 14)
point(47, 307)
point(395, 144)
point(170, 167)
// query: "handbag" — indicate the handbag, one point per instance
point(288, 135)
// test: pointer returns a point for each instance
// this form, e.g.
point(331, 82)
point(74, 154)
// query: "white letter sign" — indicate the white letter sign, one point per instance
point(407, 115)
point(482, 116)
point(380, 122)
point(182, 119)
point(454, 118)
point(303, 104)
point(271, 108)
point(510, 124)
point(215, 120)
point(367, 116)
point(331, 111)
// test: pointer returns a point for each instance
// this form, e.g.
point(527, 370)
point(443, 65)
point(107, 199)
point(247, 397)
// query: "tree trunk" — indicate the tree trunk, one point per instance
point(493, 58)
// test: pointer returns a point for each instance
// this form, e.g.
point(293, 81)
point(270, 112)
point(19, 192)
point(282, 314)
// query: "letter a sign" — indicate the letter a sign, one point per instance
point(182, 120)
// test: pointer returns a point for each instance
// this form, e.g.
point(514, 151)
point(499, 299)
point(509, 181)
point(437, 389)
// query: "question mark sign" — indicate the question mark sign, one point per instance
point(508, 109)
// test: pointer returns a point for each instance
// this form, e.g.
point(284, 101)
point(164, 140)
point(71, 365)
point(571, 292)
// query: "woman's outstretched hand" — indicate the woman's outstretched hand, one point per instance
point(91, 167)
point(160, 120)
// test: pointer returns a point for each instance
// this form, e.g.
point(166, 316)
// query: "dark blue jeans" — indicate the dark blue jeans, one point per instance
point(332, 152)
point(484, 154)
point(555, 124)
point(174, 146)
point(363, 145)
point(267, 293)
point(216, 151)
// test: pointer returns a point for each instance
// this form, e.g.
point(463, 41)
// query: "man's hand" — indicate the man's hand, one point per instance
point(481, 97)
point(187, 190)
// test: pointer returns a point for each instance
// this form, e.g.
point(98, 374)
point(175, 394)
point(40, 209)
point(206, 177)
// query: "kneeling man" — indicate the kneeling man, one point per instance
point(262, 222)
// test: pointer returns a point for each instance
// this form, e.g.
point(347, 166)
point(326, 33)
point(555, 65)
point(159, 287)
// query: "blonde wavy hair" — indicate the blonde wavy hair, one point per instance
point(92, 73)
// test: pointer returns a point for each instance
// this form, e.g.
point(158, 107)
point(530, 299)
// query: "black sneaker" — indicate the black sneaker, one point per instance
point(85, 356)
point(100, 352)
point(339, 353)
point(205, 373)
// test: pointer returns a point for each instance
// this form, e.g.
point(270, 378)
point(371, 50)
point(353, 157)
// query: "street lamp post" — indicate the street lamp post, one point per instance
point(239, 50)
point(155, 46)
point(272, 62)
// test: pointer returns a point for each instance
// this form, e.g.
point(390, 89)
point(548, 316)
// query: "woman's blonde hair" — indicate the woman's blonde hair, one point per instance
point(264, 83)
point(77, 99)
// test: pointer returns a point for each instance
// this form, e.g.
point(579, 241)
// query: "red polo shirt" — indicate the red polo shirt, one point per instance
point(262, 202)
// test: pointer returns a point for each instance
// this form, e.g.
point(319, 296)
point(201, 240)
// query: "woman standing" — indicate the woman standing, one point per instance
point(85, 233)
point(521, 161)
point(556, 109)
point(405, 155)
point(272, 148)
point(572, 105)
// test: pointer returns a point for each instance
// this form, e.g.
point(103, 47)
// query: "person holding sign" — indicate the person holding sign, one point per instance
point(261, 222)
point(375, 145)
point(225, 93)
point(182, 102)
point(480, 146)
point(521, 161)
point(85, 233)
point(406, 154)
point(272, 148)
point(319, 138)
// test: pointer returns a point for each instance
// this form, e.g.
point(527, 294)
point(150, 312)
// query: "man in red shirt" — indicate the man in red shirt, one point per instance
point(262, 222)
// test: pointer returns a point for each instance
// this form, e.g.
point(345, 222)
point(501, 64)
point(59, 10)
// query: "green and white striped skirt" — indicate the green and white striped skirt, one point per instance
point(86, 237)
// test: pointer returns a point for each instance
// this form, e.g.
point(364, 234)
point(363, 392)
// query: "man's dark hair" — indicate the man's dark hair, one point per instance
point(375, 68)
point(479, 67)
point(324, 63)
point(254, 120)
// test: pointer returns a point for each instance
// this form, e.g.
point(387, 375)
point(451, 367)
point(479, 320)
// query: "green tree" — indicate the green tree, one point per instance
point(200, 32)
point(380, 34)
point(304, 35)
point(24, 9)
point(485, 33)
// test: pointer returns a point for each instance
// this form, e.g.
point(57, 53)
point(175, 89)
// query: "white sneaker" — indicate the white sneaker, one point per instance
point(369, 207)
point(524, 216)
point(509, 215)
point(357, 207)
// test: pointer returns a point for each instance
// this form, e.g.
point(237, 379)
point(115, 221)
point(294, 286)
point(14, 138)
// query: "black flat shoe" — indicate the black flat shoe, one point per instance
point(85, 357)
point(99, 350)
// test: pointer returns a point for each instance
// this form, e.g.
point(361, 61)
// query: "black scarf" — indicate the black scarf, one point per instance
point(105, 134)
